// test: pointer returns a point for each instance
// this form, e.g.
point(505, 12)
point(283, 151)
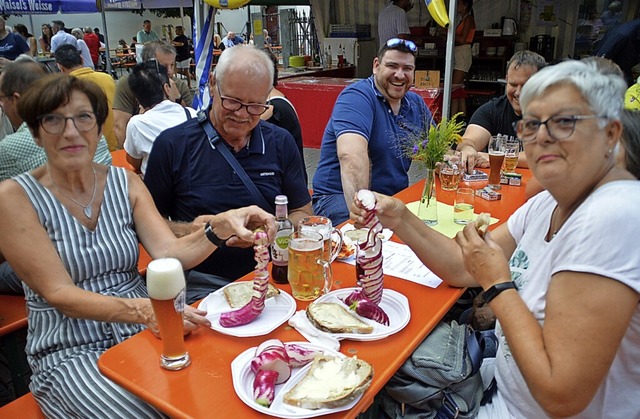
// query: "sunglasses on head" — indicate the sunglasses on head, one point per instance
point(394, 42)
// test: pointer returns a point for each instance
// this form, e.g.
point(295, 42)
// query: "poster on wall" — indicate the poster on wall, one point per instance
point(547, 13)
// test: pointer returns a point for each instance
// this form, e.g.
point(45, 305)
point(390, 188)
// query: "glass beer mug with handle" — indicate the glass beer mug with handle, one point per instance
point(166, 288)
point(324, 227)
point(310, 273)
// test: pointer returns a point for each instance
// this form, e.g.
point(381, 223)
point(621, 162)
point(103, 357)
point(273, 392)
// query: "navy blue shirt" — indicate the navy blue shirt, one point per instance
point(188, 178)
point(361, 109)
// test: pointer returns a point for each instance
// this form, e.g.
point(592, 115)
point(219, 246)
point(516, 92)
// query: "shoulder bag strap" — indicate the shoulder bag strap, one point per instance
point(214, 138)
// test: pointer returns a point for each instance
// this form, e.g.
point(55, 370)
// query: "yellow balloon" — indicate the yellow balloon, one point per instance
point(227, 4)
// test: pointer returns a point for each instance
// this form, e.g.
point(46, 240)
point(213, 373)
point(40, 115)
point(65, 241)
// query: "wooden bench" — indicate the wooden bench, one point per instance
point(24, 407)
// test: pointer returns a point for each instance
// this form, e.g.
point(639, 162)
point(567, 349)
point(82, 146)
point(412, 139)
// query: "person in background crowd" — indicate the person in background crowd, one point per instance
point(45, 38)
point(70, 61)
point(125, 104)
point(187, 177)
point(146, 34)
point(83, 48)
point(93, 43)
point(282, 113)
point(71, 229)
point(61, 37)
point(392, 21)
point(100, 36)
point(31, 41)
point(558, 274)
point(268, 42)
point(622, 46)
point(465, 31)
point(232, 40)
point(151, 86)
point(183, 59)
point(11, 45)
point(499, 114)
point(361, 146)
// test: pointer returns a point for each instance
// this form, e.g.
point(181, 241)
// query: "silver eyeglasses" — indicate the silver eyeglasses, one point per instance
point(559, 127)
point(55, 124)
point(234, 105)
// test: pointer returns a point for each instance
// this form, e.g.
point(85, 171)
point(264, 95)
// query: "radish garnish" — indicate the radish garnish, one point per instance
point(369, 265)
point(264, 387)
point(273, 359)
point(369, 310)
point(254, 307)
point(299, 356)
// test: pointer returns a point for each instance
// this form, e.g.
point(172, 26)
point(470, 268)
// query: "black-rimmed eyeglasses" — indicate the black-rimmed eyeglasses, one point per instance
point(234, 105)
point(559, 127)
point(394, 42)
point(55, 124)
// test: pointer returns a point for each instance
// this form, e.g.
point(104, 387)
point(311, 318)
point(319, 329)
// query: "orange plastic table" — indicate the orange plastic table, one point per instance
point(205, 388)
point(13, 313)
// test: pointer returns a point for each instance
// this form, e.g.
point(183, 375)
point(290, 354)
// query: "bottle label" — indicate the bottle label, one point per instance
point(280, 247)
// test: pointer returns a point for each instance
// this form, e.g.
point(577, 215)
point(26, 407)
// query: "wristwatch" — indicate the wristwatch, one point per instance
point(217, 241)
point(493, 292)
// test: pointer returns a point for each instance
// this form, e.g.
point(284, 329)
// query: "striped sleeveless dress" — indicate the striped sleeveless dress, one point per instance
point(63, 352)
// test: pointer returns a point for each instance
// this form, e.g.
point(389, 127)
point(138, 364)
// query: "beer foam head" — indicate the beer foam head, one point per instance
point(165, 278)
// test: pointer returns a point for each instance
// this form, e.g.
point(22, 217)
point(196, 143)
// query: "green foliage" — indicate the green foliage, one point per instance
point(429, 147)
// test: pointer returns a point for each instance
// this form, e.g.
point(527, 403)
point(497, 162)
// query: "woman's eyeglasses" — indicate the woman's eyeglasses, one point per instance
point(234, 105)
point(394, 42)
point(55, 124)
point(559, 127)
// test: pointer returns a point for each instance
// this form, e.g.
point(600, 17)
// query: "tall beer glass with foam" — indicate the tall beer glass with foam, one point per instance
point(166, 287)
point(496, 158)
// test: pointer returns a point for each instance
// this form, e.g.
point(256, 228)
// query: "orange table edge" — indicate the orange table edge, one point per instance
point(206, 386)
point(13, 313)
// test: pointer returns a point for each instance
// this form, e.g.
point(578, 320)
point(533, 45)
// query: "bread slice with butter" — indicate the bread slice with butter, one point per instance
point(331, 382)
point(239, 293)
point(334, 318)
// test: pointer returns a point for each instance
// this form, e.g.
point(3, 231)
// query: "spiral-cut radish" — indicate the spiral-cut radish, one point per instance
point(255, 306)
point(369, 265)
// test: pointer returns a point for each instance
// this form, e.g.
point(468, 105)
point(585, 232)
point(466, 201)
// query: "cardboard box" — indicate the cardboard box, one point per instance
point(427, 79)
point(488, 194)
point(492, 32)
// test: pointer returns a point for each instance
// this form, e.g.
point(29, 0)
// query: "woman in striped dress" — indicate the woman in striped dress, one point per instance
point(70, 229)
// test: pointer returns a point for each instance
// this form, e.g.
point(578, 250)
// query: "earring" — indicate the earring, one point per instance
point(609, 153)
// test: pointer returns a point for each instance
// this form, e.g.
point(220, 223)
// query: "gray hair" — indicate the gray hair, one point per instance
point(527, 59)
point(87, 29)
point(78, 33)
point(245, 60)
point(604, 92)
point(151, 49)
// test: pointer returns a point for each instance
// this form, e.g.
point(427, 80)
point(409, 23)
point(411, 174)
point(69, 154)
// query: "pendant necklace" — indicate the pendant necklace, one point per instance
point(86, 209)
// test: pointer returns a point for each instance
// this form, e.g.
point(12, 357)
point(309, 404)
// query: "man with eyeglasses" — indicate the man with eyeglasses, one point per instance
point(125, 104)
point(498, 115)
point(392, 21)
point(189, 177)
point(18, 151)
point(151, 85)
point(362, 143)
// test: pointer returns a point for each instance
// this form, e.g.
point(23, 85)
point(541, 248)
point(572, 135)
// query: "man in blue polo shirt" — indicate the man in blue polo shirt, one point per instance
point(362, 144)
point(188, 176)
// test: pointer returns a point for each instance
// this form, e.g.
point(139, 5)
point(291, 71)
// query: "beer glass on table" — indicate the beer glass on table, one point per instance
point(309, 273)
point(166, 288)
point(511, 151)
point(324, 227)
point(451, 171)
point(496, 158)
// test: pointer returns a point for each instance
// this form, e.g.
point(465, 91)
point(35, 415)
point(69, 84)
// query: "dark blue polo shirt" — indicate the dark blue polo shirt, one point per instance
point(188, 178)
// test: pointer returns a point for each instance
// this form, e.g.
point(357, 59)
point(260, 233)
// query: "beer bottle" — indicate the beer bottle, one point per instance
point(280, 246)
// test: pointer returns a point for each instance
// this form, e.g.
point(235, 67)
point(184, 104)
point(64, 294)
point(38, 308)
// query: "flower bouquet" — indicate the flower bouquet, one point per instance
point(428, 148)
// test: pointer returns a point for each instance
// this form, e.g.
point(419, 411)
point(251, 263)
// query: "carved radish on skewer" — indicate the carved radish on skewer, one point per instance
point(254, 307)
point(366, 300)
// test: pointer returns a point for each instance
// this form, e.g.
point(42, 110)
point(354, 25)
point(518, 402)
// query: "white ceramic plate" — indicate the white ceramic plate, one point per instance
point(393, 303)
point(243, 385)
point(277, 310)
point(386, 233)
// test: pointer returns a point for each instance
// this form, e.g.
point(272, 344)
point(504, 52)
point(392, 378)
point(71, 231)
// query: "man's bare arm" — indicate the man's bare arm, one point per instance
point(475, 139)
point(120, 121)
point(354, 164)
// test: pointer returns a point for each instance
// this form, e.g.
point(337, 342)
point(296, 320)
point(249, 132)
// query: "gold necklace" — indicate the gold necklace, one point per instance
point(86, 209)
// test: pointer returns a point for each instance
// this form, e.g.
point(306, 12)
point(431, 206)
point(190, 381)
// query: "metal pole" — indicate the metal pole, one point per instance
point(106, 39)
point(448, 69)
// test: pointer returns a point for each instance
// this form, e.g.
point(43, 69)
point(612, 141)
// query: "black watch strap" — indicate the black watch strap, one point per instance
point(217, 241)
point(493, 292)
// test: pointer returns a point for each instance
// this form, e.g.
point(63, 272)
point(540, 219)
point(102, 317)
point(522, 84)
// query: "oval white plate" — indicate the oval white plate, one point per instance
point(393, 303)
point(277, 310)
point(243, 385)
